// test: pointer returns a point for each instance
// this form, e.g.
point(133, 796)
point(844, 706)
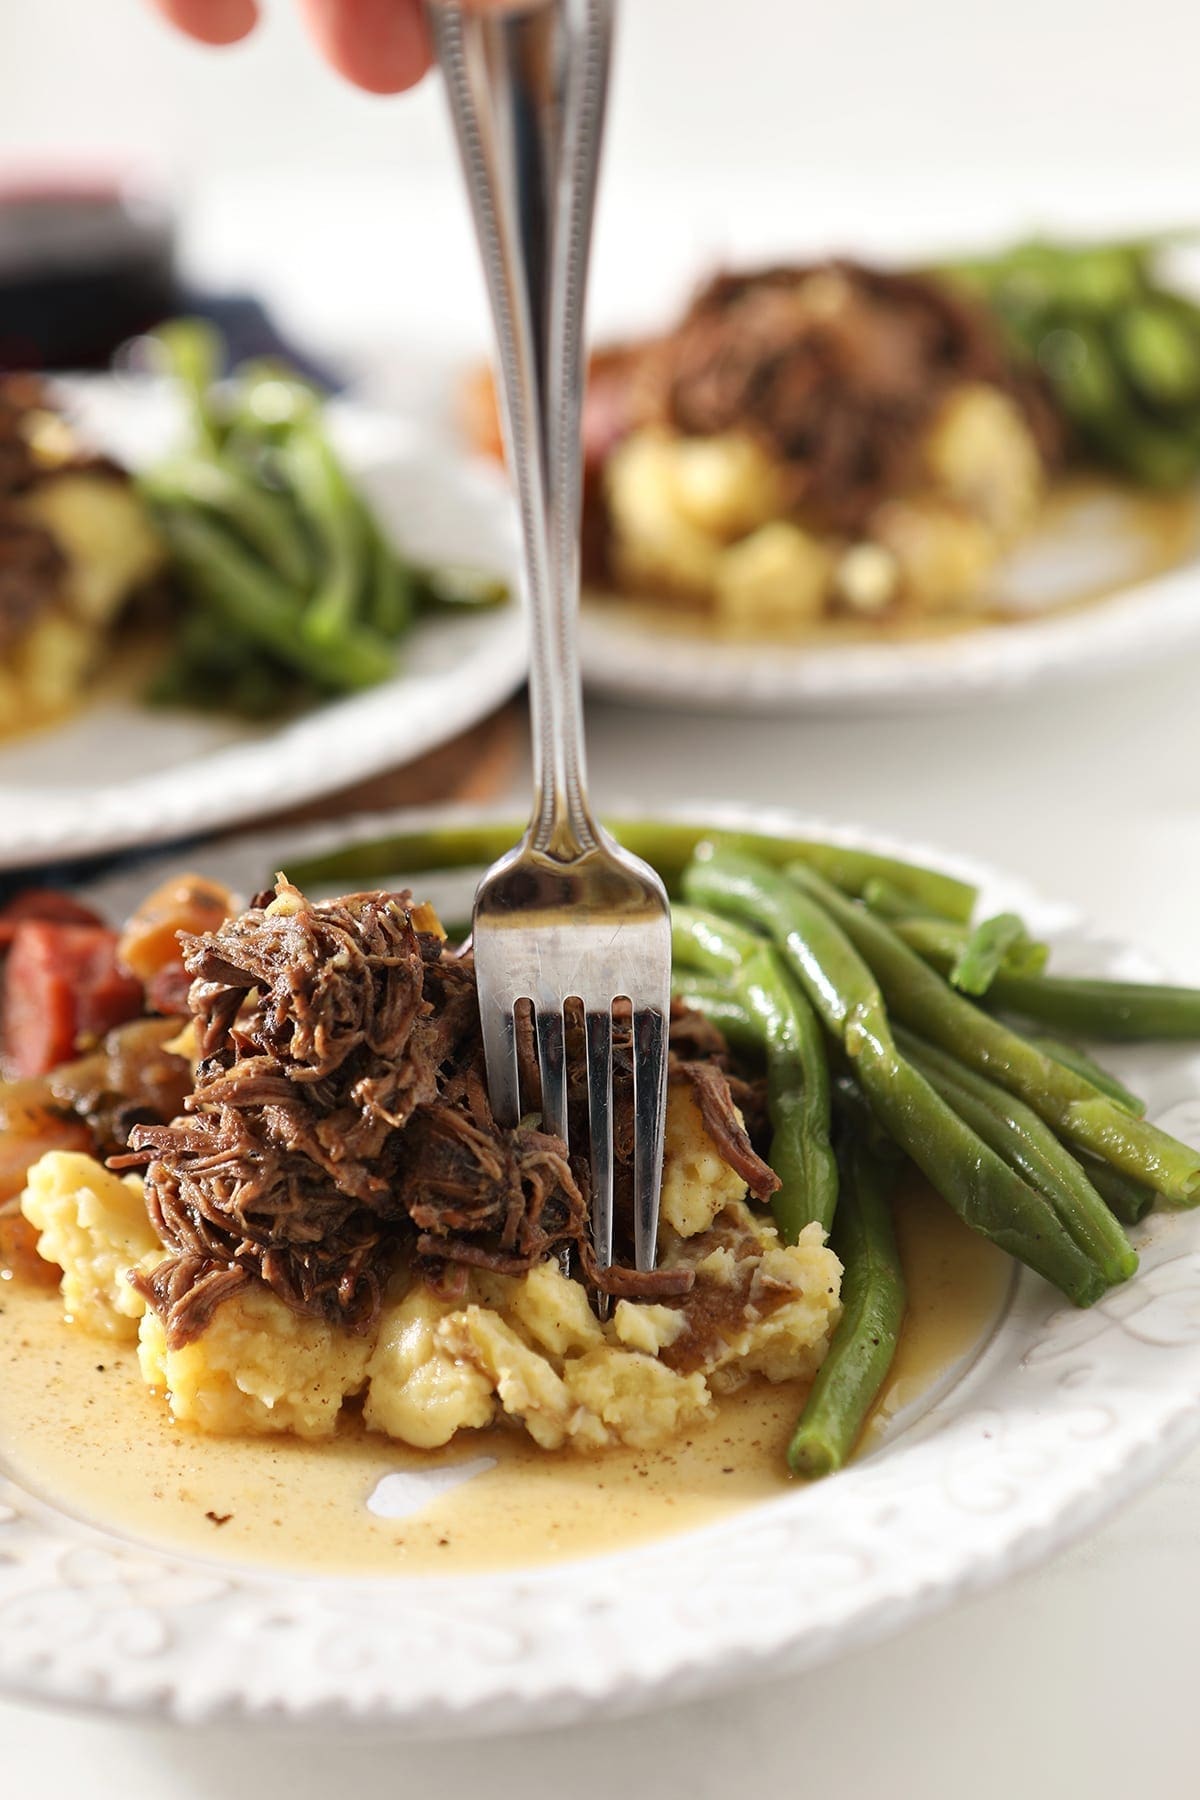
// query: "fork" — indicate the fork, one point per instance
point(567, 915)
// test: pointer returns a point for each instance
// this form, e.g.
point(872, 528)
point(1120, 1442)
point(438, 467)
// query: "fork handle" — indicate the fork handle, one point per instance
point(526, 84)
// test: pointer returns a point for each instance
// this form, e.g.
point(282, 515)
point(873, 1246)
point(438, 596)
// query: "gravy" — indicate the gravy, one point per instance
point(78, 1426)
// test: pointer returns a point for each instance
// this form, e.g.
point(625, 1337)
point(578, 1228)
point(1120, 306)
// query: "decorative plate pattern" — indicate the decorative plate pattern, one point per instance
point(1064, 1415)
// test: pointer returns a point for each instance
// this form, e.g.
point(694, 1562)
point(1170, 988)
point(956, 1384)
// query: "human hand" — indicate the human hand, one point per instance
point(381, 45)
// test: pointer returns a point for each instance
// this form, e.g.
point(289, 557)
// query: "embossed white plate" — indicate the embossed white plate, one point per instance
point(116, 773)
point(634, 654)
point(1063, 1415)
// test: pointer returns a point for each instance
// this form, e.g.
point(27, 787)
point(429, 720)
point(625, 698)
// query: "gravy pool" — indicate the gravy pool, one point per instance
point(78, 1426)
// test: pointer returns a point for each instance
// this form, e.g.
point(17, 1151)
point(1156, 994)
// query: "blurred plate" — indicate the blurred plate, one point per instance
point(115, 773)
point(1110, 579)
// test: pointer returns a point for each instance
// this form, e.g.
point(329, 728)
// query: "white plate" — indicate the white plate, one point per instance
point(629, 653)
point(117, 773)
point(1064, 1415)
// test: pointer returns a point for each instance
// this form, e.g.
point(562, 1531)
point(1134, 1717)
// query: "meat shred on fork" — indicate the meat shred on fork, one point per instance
point(340, 1117)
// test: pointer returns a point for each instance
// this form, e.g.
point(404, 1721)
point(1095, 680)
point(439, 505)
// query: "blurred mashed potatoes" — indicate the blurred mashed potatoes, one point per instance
point(701, 520)
point(76, 544)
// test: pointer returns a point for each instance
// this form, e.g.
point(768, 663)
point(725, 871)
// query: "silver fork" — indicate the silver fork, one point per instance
point(567, 915)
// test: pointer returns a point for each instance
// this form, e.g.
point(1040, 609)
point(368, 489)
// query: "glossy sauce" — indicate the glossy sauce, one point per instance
point(78, 1426)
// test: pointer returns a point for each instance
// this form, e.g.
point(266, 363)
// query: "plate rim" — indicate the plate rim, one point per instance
point(625, 656)
point(496, 1691)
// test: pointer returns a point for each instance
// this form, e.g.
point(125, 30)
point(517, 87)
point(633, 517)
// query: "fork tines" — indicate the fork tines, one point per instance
point(647, 1026)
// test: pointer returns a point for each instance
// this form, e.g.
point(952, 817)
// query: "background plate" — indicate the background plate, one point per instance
point(1097, 544)
point(116, 773)
point(1065, 1414)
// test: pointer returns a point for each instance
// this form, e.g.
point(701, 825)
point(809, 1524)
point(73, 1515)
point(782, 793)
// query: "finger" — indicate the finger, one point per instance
point(212, 21)
point(381, 45)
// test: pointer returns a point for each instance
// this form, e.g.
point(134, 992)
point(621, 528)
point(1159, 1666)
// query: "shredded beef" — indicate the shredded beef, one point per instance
point(837, 369)
point(340, 1117)
point(31, 574)
point(315, 1050)
point(694, 1038)
point(19, 396)
point(715, 1100)
point(130, 1079)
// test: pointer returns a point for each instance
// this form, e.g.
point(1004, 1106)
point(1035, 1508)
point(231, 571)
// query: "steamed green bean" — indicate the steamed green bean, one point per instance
point(1028, 1145)
point(1076, 1109)
point(982, 1189)
point(864, 1344)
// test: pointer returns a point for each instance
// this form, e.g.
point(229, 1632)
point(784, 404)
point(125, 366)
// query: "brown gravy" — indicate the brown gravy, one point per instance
point(78, 1426)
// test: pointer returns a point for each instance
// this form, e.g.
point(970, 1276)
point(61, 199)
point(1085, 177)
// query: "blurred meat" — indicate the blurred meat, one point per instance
point(150, 946)
point(836, 369)
point(62, 991)
point(49, 904)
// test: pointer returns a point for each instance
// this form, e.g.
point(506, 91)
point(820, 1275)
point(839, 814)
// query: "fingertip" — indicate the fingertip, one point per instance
point(380, 45)
point(215, 22)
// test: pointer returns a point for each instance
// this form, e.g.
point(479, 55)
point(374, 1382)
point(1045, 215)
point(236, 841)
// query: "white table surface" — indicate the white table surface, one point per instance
point(1076, 1680)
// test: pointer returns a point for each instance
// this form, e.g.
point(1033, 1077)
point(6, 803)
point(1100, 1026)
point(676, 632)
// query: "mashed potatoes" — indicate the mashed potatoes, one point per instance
point(109, 550)
point(527, 1350)
point(93, 1224)
point(259, 1367)
point(702, 520)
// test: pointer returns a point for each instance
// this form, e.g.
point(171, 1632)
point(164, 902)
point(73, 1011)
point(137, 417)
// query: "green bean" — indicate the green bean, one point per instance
point(263, 518)
point(980, 1187)
point(1159, 352)
point(210, 670)
point(668, 844)
point(456, 588)
point(1074, 1107)
point(929, 889)
point(1122, 1011)
point(671, 847)
point(335, 516)
point(704, 940)
point(1090, 389)
point(705, 994)
point(411, 853)
point(797, 1068)
point(1028, 1145)
point(1126, 1199)
point(944, 945)
point(252, 602)
point(864, 1343)
point(391, 603)
point(1092, 1071)
point(985, 952)
point(1120, 350)
point(267, 400)
point(192, 351)
point(890, 902)
point(856, 1122)
point(797, 1095)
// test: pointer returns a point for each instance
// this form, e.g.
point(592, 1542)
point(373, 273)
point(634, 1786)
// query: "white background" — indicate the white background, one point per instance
point(736, 124)
point(743, 125)
point(1034, 84)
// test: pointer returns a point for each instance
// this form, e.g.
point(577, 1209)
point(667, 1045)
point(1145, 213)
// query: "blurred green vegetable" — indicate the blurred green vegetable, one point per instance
point(294, 589)
point(1118, 345)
